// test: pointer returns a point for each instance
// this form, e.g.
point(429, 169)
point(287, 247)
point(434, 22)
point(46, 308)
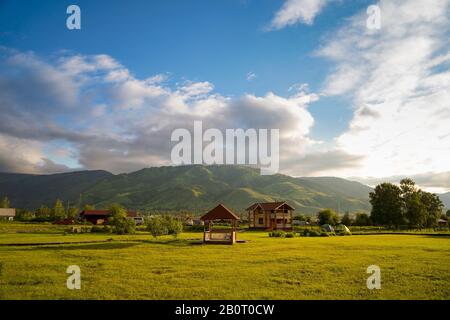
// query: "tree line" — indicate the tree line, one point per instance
point(405, 205)
point(393, 206)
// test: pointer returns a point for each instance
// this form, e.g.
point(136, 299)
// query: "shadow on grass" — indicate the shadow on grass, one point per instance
point(92, 246)
point(173, 242)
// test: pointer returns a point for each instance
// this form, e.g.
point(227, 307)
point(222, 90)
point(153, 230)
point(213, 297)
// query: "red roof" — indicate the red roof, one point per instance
point(267, 206)
point(220, 213)
point(104, 213)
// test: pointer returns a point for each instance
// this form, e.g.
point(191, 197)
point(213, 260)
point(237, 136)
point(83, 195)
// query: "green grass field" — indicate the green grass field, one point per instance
point(139, 267)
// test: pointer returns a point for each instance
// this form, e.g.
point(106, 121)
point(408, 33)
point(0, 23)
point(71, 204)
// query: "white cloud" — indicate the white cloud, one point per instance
point(398, 78)
point(111, 120)
point(250, 76)
point(297, 11)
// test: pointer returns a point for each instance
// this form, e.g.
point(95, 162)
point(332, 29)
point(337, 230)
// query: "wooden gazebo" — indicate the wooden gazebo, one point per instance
point(217, 235)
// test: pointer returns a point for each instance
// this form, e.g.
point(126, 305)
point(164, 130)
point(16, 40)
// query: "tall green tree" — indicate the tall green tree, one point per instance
point(328, 216)
point(387, 205)
point(173, 225)
point(157, 226)
point(73, 212)
point(5, 202)
point(415, 210)
point(58, 210)
point(43, 212)
point(300, 217)
point(346, 220)
point(362, 219)
point(433, 206)
point(119, 221)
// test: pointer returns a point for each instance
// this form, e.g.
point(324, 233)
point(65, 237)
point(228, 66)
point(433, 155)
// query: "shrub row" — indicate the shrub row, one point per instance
point(306, 233)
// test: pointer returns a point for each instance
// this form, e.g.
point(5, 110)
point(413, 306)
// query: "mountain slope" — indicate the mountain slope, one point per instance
point(30, 191)
point(201, 187)
point(445, 198)
point(194, 188)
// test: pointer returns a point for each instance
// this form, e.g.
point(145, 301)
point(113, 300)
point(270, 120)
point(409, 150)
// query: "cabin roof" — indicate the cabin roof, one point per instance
point(268, 205)
point(220, 212)
point(7, 212)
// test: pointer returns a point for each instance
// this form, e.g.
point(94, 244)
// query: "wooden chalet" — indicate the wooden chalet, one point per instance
point(219, 235)
point(101, 216)
point(270, 216)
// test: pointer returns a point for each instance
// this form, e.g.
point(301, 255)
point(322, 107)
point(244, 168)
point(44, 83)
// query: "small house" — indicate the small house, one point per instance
point(270, 216)
point(7, 214)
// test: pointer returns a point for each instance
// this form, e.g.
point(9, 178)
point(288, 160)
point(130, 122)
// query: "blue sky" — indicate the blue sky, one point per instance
point(350, 100)
point(216, 41)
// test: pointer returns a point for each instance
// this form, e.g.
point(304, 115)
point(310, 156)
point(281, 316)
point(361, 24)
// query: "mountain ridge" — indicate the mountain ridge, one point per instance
point(192, 188)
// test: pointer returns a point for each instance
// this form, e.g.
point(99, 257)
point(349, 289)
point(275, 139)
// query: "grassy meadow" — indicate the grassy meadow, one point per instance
point(140, 267)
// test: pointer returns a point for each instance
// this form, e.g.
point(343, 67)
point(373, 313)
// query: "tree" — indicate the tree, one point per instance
point(156, 226)
point(89, 207)
point(174, 226)
point(346, 220)
point(119, 221)
point(72, 212)
point(433, 206)
point(43, 212)
point(58, 210)
point(408, 186)
point(448, 214)
point(300, 217)
point(328, 216)
point(24, 215)
point(387, 205)
point(5, 202)
point(414, 210)
point(362, 219)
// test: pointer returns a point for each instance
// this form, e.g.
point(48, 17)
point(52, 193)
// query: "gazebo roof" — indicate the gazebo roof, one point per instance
point(220, 213)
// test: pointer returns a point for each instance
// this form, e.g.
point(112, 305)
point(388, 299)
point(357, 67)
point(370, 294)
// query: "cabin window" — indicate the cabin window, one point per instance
point(260, 221)
point(285, 211)
point(272, 211)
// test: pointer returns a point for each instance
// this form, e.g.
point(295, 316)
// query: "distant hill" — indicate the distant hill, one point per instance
point(30, 191)
point(201, 187)
point(445, 198)
point(194, 188)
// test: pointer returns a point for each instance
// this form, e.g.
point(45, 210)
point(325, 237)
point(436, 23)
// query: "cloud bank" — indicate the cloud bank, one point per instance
point(105, 118)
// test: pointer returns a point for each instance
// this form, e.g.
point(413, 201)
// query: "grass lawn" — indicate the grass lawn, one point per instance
point(138, 267)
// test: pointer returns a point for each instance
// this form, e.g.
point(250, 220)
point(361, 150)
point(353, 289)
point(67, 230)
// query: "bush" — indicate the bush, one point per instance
point(166, 225)
point(277, 234)
point(101, 229)
point(290, 235)
point(96, 229)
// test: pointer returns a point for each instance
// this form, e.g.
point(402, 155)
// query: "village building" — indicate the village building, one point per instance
point(98, 217)
point(220, 234)
point(7, 214)
point(270, 216)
